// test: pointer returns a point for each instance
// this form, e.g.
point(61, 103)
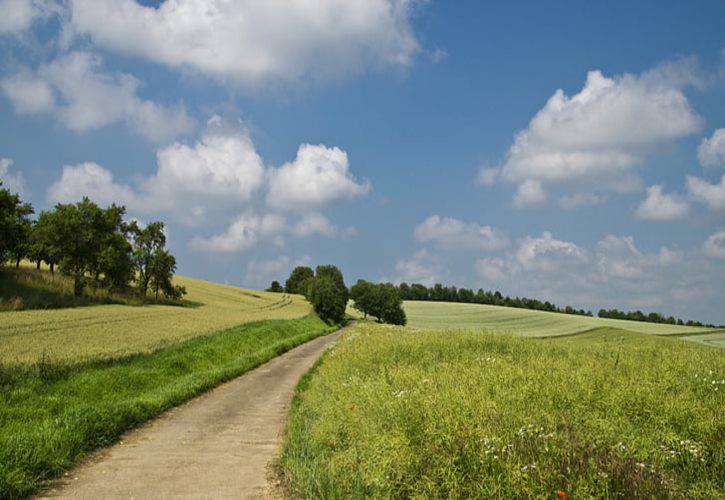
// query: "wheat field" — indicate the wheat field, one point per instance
point(110, 331)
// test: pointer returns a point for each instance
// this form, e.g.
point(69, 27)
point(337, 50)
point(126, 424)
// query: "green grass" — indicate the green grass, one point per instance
point(403, 413)
point(52, 414)
point(529, 323)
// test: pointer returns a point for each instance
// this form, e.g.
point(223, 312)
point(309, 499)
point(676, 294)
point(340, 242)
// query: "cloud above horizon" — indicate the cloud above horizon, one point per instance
point(222, 173)
point(75, 91)
point(592, 142)
point(251, 44)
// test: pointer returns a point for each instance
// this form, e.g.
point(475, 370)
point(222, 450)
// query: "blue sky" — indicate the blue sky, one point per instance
point(569, 152)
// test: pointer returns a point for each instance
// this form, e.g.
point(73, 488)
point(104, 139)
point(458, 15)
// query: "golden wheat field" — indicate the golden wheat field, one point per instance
point(93, 332)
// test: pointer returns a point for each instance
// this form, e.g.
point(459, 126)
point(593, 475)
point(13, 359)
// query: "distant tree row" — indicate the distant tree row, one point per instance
point(441, 293)
point(88, 243)
point(652, 317)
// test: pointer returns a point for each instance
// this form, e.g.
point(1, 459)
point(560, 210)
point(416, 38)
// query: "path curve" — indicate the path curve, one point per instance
point(217, 445)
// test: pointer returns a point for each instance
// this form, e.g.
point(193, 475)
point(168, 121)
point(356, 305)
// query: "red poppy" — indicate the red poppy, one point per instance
point(561, 494)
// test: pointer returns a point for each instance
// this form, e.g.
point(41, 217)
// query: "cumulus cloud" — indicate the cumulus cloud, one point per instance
point(529, 193)
point(19, 15)
point(315, 223)
point(713, 195)
point(659, 206)
point(92, 180)
point(12, 182)
point(593, 141)
point(714, 246)
point(711, 152)
point(244, 233)
point(453, 234)
point(613, 273)
point(252, 43)
point(318, 176)
point(75, 91)
point(422, 267)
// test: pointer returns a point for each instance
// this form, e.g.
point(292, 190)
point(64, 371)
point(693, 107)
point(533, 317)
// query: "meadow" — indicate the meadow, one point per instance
point(79, 334)
point(395, 412)
point(53, 413)
point(530, 323)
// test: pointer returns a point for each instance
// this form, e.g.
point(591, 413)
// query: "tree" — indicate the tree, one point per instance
point(43, 241)
point(327, 299)
point(147, 245)
point(80, 232)
point(15, 226)
point(362, 294)
point(275, 287)
point(381, 300)
point(298, 280)
point(162, 268)
point(332, 272)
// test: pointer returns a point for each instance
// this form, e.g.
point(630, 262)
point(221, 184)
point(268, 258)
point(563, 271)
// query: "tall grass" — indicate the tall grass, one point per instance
point(395, 413)
point(52, 414)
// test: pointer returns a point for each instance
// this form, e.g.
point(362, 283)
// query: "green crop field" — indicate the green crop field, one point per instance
point(529, 323)
point(396, 412)
point(111, 331)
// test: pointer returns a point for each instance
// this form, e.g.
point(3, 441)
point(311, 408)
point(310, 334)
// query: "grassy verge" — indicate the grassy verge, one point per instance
point(52, 414)
point(395, 413)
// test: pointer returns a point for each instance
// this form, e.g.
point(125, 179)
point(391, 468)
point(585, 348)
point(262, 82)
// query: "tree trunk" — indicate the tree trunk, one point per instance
point(17, 263)
point(52, 268)
point(37, 265)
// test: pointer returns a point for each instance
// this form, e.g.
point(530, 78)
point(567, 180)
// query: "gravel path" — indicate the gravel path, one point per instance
point(216, 446)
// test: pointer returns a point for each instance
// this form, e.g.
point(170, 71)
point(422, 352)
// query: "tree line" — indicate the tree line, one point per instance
point(89, 243)
point(653, 317)
point(441, 293)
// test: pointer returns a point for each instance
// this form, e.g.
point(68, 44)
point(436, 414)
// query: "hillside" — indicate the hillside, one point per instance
point(529, 323)
point(100, 331)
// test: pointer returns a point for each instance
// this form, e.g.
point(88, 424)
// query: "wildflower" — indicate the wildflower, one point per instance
point(351, 407)
point(561, 494)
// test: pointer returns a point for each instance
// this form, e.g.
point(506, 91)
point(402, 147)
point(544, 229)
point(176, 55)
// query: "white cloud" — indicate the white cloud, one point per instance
point(318, 176)
point(422, 267)
point(19, 15)
point(546, 253)
point(222, 169)
point(529, 193)
point(614, 273)
point(12, 182)
point(711, 152)
point(492, 269)
point(220, 172)
point(92, 180)
point(593, 140)
point(714, 246)
point(75, 91)
point(575, 200)
point(453, 234)
point(314, 223)
point(253, 43)
point(244, 233)
point(660, 206)
point(713, 195)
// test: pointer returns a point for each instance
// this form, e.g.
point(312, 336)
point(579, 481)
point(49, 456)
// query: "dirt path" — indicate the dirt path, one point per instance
point(215, 446)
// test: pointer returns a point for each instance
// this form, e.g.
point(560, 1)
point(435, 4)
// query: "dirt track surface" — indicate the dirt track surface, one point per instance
point(215, 446)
